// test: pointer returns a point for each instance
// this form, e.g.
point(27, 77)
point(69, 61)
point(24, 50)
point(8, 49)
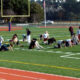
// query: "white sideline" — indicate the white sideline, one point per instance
point(22, 24)
point(42, 73)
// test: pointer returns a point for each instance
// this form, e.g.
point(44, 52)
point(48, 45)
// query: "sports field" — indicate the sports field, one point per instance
point(64, 61)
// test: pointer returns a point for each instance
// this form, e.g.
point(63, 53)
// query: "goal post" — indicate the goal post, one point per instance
point(13, 14)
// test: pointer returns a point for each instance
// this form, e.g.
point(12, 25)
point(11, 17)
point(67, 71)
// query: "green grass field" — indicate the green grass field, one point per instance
point(64, 61)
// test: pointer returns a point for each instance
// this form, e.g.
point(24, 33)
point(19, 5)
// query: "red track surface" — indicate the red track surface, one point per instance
point(12, 28)
point(14, 74)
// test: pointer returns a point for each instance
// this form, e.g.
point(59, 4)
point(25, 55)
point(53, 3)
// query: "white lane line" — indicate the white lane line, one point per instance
point(41, 73)
point(2, 79)
point(15, 75)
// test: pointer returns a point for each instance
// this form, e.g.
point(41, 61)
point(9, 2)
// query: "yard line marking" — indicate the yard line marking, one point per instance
point(66, 55)
point(10, 74)
point(40, 50)
point(41, 73)
point(69, 55)
point(42, 65)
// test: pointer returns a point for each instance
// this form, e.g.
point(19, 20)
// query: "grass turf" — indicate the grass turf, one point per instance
point(47, 60)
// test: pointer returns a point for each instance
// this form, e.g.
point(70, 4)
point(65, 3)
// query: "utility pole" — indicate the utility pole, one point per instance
point(44, 6)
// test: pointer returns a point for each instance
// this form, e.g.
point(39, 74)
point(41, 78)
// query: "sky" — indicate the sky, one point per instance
point(78, 0)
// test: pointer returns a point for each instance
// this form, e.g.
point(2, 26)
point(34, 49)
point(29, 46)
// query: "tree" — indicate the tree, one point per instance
point(72, 10)
point(17, 6)
point(37, 13)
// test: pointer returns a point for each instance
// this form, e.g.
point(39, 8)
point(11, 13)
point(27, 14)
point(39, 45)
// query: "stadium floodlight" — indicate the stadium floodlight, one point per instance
point(15, 15)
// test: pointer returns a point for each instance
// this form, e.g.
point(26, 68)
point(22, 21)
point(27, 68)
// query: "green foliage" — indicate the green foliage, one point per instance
point(72, 10)
point(36, 12)
point(19, 7)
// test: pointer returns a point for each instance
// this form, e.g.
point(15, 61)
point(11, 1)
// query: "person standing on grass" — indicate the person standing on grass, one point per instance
point(24, 37)
point(71, 31)
point(78, 33)
point(28, 36)
point(1, 40)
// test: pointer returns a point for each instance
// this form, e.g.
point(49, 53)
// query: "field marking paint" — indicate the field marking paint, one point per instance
point(10, 74)
point(2, 79)
point(39, 50)
point(41, 65)
point(66, 55)
point(39, 73)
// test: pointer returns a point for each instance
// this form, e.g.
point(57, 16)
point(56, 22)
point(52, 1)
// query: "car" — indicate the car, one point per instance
point(48, 22)
point(2, 21)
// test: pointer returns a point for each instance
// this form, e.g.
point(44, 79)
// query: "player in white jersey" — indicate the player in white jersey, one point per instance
point(45, 37)
point(68, 43)
point(60, 44)
point(78, 33)
point(1, 40)
point(75, 39)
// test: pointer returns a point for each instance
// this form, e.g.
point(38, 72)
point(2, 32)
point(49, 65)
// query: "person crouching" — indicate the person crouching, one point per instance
point(45, 37)
point(51, 40)
point(35, 44)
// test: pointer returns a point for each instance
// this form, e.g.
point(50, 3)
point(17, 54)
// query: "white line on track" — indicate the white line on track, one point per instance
point(41, 73)
point(15, 75)
point(2, 79)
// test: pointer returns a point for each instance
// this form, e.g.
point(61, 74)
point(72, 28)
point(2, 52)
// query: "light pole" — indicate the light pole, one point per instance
point(44, 6)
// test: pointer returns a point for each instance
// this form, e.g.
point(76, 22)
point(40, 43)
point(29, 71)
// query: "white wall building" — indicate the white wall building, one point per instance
point(50, 0)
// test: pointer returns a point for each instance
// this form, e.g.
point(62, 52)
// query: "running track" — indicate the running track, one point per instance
point(15, 74)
